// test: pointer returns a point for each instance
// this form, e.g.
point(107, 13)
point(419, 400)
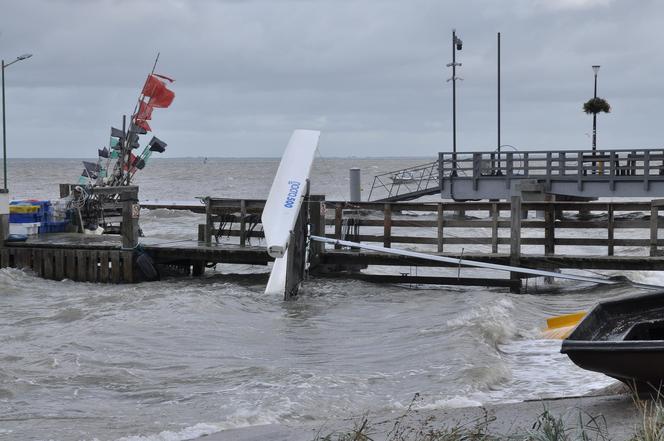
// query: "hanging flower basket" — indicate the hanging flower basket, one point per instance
point(596, 105)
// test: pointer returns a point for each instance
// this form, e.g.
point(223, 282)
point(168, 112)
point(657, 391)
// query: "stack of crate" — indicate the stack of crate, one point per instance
point(32, 217)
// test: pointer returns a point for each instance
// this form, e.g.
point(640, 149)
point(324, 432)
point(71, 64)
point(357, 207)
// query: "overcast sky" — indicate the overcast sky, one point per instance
point(370, 74)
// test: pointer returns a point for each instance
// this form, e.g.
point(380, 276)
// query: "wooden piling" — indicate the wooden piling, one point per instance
point(494, 227)
point(316, 207)
point(515, 239)
point(387, 225)
point(611, 231)
point(440, 228)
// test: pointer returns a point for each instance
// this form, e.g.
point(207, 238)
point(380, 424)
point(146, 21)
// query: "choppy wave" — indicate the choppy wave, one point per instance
point(179, 359)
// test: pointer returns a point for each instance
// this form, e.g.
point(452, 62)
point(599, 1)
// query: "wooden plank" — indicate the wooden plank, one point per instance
point(103, 266)
point(441, 225)
point(4, 258)
point(81, 265)
point(70, 264)
point(59, 264)
point(47, 262)
point(387, 225)
point(92, 268)
point(37, 265)
point(115, 266)
point(25, 258)
point(127, 264)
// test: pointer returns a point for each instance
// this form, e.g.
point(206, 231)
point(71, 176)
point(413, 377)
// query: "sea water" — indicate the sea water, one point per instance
point(178, 359)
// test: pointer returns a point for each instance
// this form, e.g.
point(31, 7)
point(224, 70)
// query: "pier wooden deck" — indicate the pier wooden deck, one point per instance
point(625, 236)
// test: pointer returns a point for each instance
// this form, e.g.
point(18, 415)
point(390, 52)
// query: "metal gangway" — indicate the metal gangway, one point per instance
point(406, 184)
point(582, 173)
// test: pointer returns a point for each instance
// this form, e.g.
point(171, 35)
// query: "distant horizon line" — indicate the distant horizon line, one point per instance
point(235, 157)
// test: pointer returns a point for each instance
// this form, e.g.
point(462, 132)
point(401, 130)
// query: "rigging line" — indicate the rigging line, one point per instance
point(473, 263)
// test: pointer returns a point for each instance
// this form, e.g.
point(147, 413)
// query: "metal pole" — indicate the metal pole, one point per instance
point(4, 130)
point(595, 119)
point(454, 171)
point(355, 186)
point(499, 172)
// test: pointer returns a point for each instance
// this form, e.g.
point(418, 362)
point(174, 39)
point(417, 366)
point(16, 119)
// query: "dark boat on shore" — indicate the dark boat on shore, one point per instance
point(623, 339)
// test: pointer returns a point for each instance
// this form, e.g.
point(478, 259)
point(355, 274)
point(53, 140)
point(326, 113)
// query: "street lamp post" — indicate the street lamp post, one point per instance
point(595, 70)
point(4, 121)
point(457, 44)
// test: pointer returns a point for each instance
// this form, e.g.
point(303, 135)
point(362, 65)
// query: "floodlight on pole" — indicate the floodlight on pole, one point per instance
point(4, 121)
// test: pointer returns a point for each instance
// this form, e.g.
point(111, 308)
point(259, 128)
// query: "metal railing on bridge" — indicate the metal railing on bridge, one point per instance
point(405, 184)
point(600, 173)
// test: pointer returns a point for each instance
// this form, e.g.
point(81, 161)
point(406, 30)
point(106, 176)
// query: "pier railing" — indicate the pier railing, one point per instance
point(405, 184)
point(591, 228)
point(573, 164)
point(489, 175)
point(485, 226)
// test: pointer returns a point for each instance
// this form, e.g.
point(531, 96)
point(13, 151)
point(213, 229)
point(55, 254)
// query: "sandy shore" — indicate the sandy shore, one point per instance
point(618, 410)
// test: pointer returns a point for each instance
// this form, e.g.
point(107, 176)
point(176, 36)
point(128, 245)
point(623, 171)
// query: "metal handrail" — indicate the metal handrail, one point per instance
point(405, 181)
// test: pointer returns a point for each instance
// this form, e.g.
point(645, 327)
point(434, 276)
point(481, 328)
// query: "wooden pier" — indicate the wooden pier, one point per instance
point(568, 235)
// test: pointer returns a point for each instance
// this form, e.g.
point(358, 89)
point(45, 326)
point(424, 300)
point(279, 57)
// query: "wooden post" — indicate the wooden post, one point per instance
point(441, 226)
point(103, 266)
point(549, 230)
point(127, 267)
point(243, 222)
point(115, 266)
point(65, 190)
point(81, 265)
point(387, 225)
point(338, 214)
point(130, 214)
point(646, 170)
point(654, 214)
point(208, 223)
point(48, 269)
point(610, 232)
point(317, 228)
point(494, 227)
point(198, 266)
point(515, 240)
point(59, 270)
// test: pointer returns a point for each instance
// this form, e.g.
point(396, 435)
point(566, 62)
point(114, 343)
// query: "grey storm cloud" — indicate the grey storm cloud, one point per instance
point(370, 74)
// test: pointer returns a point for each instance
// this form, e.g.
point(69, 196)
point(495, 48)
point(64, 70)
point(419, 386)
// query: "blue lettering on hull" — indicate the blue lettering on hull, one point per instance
point(291, 197)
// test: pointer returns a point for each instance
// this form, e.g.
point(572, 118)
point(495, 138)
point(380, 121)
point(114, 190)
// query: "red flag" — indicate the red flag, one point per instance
point(144, 111)
point(155, 88)
point(143, 124)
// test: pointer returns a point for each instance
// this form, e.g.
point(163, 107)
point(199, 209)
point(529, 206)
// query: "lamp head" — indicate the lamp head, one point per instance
point(596, 69)
point(23, 57)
